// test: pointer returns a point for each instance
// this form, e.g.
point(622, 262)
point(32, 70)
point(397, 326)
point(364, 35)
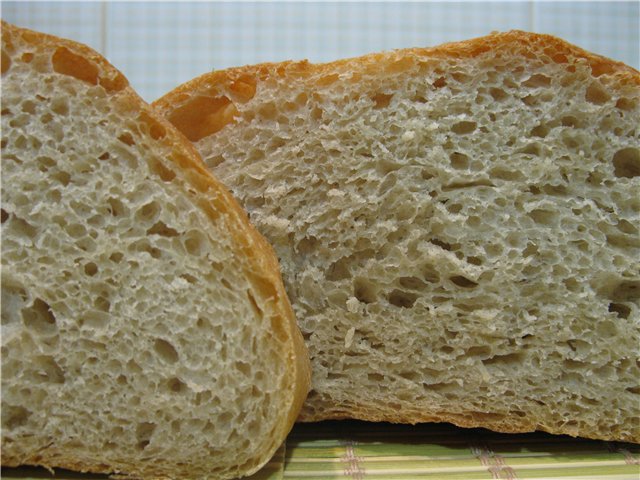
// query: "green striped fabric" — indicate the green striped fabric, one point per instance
point(359, 450)
point(379, 451)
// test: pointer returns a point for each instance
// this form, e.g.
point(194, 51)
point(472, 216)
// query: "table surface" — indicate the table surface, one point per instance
point(360, 450)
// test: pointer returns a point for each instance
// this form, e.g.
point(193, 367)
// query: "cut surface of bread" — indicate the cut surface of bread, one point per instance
point(145, 326)
point(457, 226)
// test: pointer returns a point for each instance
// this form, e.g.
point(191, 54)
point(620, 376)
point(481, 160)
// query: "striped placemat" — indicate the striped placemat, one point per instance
point(359, 451)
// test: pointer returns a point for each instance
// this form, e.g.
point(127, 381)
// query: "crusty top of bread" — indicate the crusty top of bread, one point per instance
point(145, 326)
point(457, 226)
point(197, 122)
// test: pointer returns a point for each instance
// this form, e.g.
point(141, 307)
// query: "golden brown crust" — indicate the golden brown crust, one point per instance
point(260, 261)
point(546, 48)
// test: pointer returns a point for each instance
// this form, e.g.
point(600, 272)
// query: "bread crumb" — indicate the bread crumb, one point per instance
point(348, 338)
point(408, 136)
point(276, 191)
point(353, 304)
point(277, 222)
point(484, 373)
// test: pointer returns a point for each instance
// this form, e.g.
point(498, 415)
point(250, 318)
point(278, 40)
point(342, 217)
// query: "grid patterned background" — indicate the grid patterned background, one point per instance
point(159, 45)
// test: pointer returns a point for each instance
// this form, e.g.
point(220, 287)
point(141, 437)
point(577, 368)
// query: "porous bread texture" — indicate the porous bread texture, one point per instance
point(145, 327)
point(457, 226)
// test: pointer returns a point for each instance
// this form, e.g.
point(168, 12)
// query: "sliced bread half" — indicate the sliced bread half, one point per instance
point(145, 326)
point(458, 226)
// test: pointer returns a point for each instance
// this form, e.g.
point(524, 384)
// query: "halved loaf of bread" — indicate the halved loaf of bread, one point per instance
point(457, 226)
point(145, 326)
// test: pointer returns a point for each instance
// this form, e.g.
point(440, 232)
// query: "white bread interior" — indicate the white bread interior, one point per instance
point(458, 227)
point(145, 327)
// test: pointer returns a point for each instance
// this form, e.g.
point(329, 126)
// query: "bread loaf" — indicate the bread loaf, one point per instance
point(457, 226)
point(145, 327)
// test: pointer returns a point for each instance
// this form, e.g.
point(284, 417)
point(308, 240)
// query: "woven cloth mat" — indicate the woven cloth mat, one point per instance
point(359, 450)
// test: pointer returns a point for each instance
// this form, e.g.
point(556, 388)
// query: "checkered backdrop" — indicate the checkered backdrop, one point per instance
point(159, 45)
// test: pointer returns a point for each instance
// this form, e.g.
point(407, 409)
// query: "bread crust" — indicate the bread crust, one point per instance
point(260, 262)
point(512, 42)
point(538, 47)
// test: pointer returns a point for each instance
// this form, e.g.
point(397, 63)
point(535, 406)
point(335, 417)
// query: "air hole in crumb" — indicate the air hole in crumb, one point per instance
point(194, 243)
point(14, 416)
point(202, 323)
point(626, 291)
point(627, 227)
point(148, 212)
point(155, 129)
point(474, 260)
point(537, 80)
point(543, 217)
point(463, 282)
point(189, 278)
point(160, 228)
point(104, 156)
point(60, 106)
point(116, 207)
point(127, 139)
point(570, 121)
point(307, 245)
point(426, 174)
point(498, 94)
point(464, 127)
point(39, 317)
point(381, 100)
point(165, 350)
point(243, 367)
point(4, 216)
point(63, 177)
point(454, 207)
point(90, 269)
point(412, 283)
point(626, 104)
point(165, 173)
point(459, 160)
point(401, 298)
point(116, 257)
point(596, 94)
point(440, 243)
point(68, 63)
point(540, 131)
point(440, 82)
point(144, 431)
point(620, 309)
point(76, 230)
point(364, 290)
point(5, 63)
point(102, 304)
point(479, 351)
point(339, 270)
point(626, 162)
point(29, 107)
point(531, 149)
point(506, 359)
point(47, 370)
point(530, 250)
point(176, 385)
